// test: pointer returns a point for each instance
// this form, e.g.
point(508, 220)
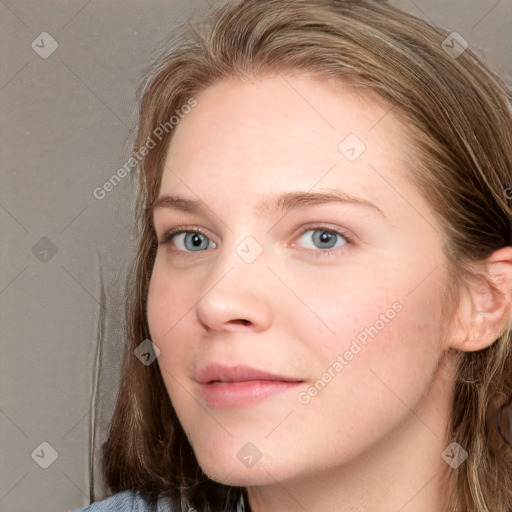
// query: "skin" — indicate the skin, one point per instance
point(372, 438)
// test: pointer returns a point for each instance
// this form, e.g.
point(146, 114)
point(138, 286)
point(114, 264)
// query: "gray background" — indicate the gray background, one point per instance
point(67, 125)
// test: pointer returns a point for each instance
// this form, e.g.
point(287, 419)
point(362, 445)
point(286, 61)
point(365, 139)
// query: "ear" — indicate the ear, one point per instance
point(485, 308)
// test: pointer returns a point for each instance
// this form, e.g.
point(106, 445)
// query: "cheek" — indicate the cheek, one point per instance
point(381, 362)
point(170, 298)
point(385, 317)
point(379, 306)
point(170, 302)
point(168, 305)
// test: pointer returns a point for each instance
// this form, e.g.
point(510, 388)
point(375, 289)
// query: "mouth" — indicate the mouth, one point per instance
point(225, 387)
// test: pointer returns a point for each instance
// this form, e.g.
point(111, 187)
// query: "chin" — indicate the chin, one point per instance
point(240, 477)
point(225, 467)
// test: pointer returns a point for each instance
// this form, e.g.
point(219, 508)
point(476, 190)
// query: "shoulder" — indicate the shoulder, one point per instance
point(124, 501)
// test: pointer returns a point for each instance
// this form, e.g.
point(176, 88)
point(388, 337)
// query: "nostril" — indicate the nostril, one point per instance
point(242, 321)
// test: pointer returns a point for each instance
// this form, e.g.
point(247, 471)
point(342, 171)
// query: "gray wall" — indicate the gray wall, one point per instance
point(65, 129)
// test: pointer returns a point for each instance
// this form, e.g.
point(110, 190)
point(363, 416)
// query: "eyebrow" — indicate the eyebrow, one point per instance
point(282, 203)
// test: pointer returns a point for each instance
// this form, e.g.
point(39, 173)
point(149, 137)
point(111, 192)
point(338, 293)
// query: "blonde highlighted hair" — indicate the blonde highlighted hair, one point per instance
point(458, 116)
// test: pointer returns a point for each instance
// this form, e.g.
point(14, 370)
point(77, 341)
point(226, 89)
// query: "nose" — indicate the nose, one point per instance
point(235, 295)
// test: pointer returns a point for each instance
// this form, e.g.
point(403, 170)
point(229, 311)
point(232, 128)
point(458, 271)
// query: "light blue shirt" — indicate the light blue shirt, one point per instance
point(125, 501)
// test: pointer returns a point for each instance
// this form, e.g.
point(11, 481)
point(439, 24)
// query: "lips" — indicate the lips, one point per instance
point(225, 387)
point(211, 373)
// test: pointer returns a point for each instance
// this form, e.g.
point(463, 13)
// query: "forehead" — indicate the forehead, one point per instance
point(284, 108)
point(285, 132)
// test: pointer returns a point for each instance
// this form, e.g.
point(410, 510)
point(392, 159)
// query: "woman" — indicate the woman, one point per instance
point(324, 270)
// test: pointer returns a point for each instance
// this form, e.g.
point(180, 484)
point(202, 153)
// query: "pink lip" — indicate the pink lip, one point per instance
point(224, 387)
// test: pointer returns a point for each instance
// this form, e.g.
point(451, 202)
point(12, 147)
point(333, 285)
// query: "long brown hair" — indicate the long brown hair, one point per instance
point(459, 119)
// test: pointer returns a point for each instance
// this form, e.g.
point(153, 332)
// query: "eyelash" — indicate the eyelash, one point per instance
point(168, 236)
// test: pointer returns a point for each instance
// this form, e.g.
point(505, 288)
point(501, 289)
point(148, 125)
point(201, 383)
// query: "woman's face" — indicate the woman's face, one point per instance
point(317, 262)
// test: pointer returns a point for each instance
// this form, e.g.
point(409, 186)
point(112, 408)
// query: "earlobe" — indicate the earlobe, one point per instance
point(486, 309)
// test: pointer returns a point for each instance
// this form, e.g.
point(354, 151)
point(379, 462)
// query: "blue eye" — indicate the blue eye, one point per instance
point(189, 241)
point(323, 238)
